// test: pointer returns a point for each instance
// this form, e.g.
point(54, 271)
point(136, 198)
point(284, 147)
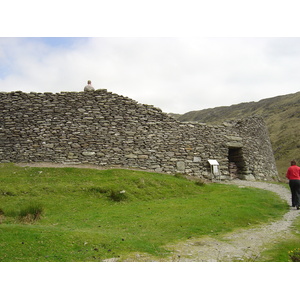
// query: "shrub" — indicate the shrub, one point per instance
point(294, 255)
point(118, 196)
point(141, 183)
point(180, 175)
point(200, 182)
point(7, 193)
point(11, 213)
point(31, 213)
point(98, 190)
point(2, 217)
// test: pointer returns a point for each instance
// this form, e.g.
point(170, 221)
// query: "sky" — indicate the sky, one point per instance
point(178, 58)
point(176, 74)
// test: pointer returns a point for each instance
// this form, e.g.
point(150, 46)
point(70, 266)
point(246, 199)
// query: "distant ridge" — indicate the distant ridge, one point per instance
point(282, 117)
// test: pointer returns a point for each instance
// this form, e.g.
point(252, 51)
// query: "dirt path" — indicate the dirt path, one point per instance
point(241, 245)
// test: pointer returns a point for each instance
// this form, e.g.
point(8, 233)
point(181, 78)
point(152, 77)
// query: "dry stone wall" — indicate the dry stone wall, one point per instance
point(110, 130)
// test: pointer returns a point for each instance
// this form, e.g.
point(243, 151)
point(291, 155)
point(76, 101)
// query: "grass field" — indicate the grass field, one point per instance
point(72, 214)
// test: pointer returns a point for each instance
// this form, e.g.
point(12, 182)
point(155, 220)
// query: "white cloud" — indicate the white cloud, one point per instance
point(175, 74)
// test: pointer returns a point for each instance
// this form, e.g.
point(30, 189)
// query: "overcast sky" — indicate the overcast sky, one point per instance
point(191, 71)
point(175, 74)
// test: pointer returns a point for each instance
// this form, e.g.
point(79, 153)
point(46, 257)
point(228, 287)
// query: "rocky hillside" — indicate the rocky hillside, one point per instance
point(281, 114)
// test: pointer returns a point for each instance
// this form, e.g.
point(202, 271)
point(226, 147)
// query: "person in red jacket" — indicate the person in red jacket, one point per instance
point(293, 175)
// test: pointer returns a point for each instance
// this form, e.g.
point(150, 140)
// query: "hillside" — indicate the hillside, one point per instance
point(282, 117)
point(92, 215)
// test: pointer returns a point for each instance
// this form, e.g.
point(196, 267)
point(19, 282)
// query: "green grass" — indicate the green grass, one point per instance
point(92, 215)
point(279, 252)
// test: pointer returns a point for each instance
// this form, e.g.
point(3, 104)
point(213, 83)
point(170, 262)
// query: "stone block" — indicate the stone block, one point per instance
point(88, 153)
point(196, 159)
point(180, 166)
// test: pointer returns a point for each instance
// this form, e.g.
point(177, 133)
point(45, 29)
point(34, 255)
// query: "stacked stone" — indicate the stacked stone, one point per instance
point(111, 130)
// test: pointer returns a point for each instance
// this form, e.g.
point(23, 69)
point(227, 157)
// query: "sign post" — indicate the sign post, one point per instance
point(214, 168)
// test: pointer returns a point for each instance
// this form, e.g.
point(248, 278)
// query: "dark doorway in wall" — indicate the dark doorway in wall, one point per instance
point(236, 162)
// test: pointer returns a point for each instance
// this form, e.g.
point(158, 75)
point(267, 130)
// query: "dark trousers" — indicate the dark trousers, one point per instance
point(295, 189)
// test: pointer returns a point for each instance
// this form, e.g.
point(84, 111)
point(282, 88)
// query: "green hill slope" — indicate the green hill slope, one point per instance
point(73, 214)
point(282, 117)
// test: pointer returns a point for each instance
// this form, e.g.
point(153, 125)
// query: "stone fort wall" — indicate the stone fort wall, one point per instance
point(114, 131)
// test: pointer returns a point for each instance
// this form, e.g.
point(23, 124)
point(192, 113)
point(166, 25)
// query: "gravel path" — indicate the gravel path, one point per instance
point(240, 245)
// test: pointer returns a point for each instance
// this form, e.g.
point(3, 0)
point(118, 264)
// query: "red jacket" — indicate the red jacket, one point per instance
point(293, 173)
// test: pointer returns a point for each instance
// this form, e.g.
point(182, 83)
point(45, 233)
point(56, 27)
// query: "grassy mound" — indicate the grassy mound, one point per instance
point(71, 214)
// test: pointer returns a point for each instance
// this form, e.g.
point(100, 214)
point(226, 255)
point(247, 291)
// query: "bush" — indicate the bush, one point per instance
point(98, 190)
point(112, 194)
point(7, 193)
point(2, 217)
point(294, 255)
point(180, 175)
point(200, 182)
point(117, 196)
point(31, 213)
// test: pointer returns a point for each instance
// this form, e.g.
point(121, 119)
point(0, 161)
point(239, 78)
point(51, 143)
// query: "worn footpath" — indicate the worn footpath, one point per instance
point(240, 245)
